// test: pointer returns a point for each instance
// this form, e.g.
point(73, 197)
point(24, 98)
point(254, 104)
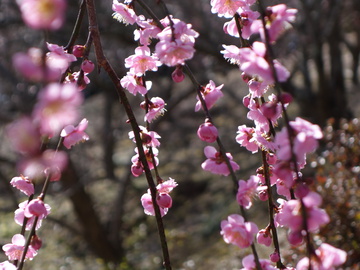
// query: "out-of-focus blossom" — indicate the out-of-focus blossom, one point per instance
point(6, 265)
point(327, 258)
point(43, 14)
point(57, 107)
point(228, 8)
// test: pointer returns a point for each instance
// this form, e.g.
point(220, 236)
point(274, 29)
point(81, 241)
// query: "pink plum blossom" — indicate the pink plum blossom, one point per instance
point(246, 20)
point(163, 198)
point(57, 57)
point(249, 263)
point(245, 138)
point(210, 93)
point(73, 135)
point(147, 203)
point(79, 78)
point(78, 50)
point(123, 13)
point(36, 207)
point(142, 61)
point(23, 184)
point(327, 258)
point(135, 84)
point(247, 190)
point(238, 232)
point(57, 107)
point(252, 62)
point(278, 19)
point(15, 249)
point(228, 8)
point(207, 132)
point(6, 265)
point(231, 53)
point(24, 136)
point(215, 162)
point(176, 43)
point(155, 108)
point(136, 161)
point(34, 67)
point(149, 138)
point(43, 14)
point(20, 216)
point(263, 237)
point(35, 166)
point(146, 31)
point(178, 74)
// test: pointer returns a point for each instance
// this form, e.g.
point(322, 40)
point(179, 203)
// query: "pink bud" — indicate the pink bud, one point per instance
point(78, 50)
point(36, 208)
point(295, 238)
point(246, 101)
point(178, 75)
point(286, 98)
point(36, 242)
point(274, 257)
point(269, 110)
point(207, 132)
point(263, 195)
point(264, 238)
point(164, 200)
point(301, 190)
point(136, 169)
point(87, 66)
point(271, 158)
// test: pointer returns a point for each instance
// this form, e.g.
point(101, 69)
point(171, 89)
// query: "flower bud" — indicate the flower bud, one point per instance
point(274, 257)
point(78, 50)
point(136, 169)
point(37, 208)
point(36, 242)
point(87, 66)
point(178, 75)
point(164, 200)
point(264, 238)
point(207, 132)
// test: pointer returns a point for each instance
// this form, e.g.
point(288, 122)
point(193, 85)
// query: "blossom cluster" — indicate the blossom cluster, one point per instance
point(285, 151)
point(54, 113)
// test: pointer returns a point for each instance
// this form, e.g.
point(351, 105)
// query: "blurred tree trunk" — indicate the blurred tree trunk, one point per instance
point(93, 231)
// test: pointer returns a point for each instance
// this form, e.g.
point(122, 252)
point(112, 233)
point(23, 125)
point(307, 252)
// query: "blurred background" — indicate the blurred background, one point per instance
point(97, 221)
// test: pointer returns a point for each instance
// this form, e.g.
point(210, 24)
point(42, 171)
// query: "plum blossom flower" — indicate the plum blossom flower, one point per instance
point(36, 207)
point(247, 18)
point(57, 107)
point(57, 57)
point(155, 108)
point(228, 8)
point(15, 249)
point(238, 232)
point(253, 63)
point(327, 258)
point(73, 135)
point(123, 13)
point(245, 138)
point(306, 136)
point(210, 93)
point(43, 14)
point(249, 263)
point(264, 237)
point(176, 42)
point(87, 66)
point(278, 19)
point(207, 132)
point(215, 162)
point(146, 31)
point(136, 161)
point(23, 184)
point(163, 199)
point(20, 216)
point(6, 265)
point(149, 138)
point(34, 67)
point(247, 190)
point(142, 61)
point(135, 84)
point(35, 166)
point(24, 136)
